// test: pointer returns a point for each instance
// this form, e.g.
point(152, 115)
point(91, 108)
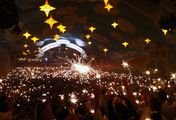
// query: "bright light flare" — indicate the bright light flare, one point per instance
point(81, 68)
point(173, 76)
point(125, 64)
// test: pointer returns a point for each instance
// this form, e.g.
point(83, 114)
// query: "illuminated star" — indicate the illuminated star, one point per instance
point(125, 44)
point(108, 7)
point(56, 37)
point(34, 39)
point(165, 31)
point(106, 2)
point(105, 50)
point(62, 28)
point(88, 36)
point(92, 28)
point(51, 22)
point(46, 8)
point(27, 35)
point(25, 45)
point(114, 24)
point(89, 43)
point(147, 40)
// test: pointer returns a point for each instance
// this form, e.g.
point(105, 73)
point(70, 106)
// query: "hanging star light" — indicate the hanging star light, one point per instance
point(56, 37)
point(114, 24)
point(108, 7)
point(26, 34)
point(34, 39)
point(164, 31)
point(105, 50)
point(25, 45)
point(106, 2)
point(89, 43)
point(88, 36)
point(125, 44)
point(147, 40)
point(46, 8)
point(61, 28)
point(92, 28)
point(51, 22)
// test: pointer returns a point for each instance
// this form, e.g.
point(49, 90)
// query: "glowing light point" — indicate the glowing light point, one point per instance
point(92, 28)
point(147, 40)
point(61, 28)
point(46, 8)
point(88, 36)
point(51, 22)
point(25, 45)
point(147, 72)
point(34, 39)
point(125, 44)
point(26, 35)
point(89, 43)
point(108, 7)
point(164, 31)
point(173, 76)
point(114, 24)
point(105, 50)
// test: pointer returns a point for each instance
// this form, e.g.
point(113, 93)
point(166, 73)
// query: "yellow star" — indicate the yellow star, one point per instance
point(62, 28)
point(25, 45)
point(51, 22)
point(92, 28)
point(27, 35)
point(34, 39)
point(108, 7)
point(46, 8)
point(147, 40)
point(89, 43)
point(114, 24)
point(106, 2)
point(56, 37)
point(105, 50)
point(88, 36)
point(125, 44)
point(165, 31)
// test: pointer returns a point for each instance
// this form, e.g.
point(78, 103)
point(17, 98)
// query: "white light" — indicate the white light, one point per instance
point(81, 68)
point(92, 111)
point(125, 64)
point(173, 76)
point(0, 80)
point(147, 72)
point(98, 76)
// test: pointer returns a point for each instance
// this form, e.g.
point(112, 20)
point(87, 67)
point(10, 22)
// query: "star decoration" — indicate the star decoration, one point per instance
point(56, 37)
point(51, 22)
point(88, 36)
point(34, 39)
point(89, 43)
point(27, 35)
point(92, 28)
point(165, 31)
point(125, 44)
point(114, 24)
point(25, 45)
point(105, 50)
point(106, 2)
point(108, 7)
point(147, 40)
point(46, 8)
point(61, 28)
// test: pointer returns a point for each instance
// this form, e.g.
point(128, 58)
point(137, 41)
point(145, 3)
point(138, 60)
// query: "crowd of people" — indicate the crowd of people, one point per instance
point(108, 97)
